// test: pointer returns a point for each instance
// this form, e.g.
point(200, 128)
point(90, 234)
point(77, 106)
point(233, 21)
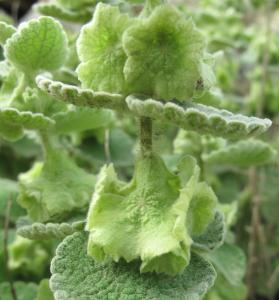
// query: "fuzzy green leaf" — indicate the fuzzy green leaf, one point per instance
point(39, 44)
point(213, 236)
point(82, 118)
point(164, 54)
point(146, 218)
point(62, 13)
point(76, 276)
point(200, 118)
point(24, 291)
point(54, 188)
point(13, 122)
point(100, 50)
point(76, 5)
point(81, 97)
point(39, 231)
point(243, 154)
point(6, 31)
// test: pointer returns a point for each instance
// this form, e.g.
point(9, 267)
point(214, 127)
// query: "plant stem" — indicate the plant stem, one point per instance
point(145, 136)
point(46, 143)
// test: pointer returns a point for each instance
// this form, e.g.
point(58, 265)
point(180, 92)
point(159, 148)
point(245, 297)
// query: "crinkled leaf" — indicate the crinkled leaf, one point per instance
point(44, 291)
point(77, 276)
point(13, 122)
point(39, 231)
point(213, 236)
point(54, 188)
point(82, 118)
point(230, 261)
point(39, 44)
point(242, 154)
point(145, 218)
point(62, 13)
point(6, 31)
point(200, 118)
point(24, 291)
point(81, 97)
point(100, 50)
point(164, 54)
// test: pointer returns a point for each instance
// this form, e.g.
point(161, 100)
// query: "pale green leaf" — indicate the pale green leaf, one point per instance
point(62, 13)
point(39, 44)
point(76, 276)
point(200, 118)
point(230, 261)
point(164, 54)
point(24, 291)
point(76, 5)
point(6, 31)
point(13, 122)
point(100, 50)
point(213, 236)
point(145, 218)
point(44, 291)
point(55, 188)
point(81, 97)
point(39, 231)
point(82, 118)
point(243, 154)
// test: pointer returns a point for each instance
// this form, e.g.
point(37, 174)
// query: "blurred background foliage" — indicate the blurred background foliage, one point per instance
point(244, 37)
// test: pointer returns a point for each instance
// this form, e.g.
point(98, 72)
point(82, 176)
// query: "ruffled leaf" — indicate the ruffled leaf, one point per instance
point(213, 236)
point(81, 97)
point(62, 13)
point(39, 44)
point(82, 118)
point(100, 50)
point(76, 276)
point(146, 218)
point(13, 122)
point(39, 231)
point(55, 188)
point(164, 54)
point(6, 31)
point(243, 154)
point(200, 118)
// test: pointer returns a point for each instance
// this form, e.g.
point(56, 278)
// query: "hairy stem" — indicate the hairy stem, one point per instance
point(145, 136)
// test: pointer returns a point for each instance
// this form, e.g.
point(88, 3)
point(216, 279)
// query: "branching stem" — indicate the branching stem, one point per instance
point(145, 136)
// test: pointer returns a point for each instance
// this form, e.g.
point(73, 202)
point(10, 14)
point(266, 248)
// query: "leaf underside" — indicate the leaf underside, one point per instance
point(38, 231)
point(190, 116)
point(76, 276)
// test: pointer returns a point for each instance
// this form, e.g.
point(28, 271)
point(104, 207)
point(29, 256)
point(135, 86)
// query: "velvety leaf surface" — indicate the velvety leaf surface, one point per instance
point(243, 154)
point(76, 276)
point(164, 54)
point(100, 50)
point(6, 31)
point(145, 218)
point(39, 44)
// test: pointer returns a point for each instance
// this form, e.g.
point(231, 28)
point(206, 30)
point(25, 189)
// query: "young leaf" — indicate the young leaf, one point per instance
point(6, 31)
point(39, 44)
point(81, 97)
point(77, 276)
point(62, 13)
point(39, 231)
point(200, 118)
point(55, 188)
point(100, 50)
point(145, 218)
point(13, 122)
point(230, 261)
point(164, 54)
point(243, 154)
point(213, 236)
